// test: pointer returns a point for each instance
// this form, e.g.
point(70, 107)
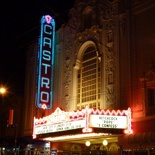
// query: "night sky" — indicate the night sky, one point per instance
point(20, 26)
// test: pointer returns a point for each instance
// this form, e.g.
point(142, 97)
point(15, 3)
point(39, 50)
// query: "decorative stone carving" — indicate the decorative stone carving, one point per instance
point(67, 78)
point(69, 34)
point(113, 147)
point(122, 24)
point(105, 21)
point(76, 147)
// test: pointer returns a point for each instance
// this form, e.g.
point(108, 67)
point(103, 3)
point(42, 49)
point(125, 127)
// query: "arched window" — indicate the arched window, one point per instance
point(89, 80)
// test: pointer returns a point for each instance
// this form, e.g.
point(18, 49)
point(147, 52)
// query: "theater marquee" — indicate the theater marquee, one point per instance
point(85, 119)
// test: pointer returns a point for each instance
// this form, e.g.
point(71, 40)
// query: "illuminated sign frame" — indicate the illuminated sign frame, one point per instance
point(86, 119)
point(45, 63)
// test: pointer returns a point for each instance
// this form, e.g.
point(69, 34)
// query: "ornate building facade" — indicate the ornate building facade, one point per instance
point(104, 59)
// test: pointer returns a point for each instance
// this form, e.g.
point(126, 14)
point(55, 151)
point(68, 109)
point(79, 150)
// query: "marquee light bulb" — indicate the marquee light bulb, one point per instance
point(105, 142)
point(87, 143)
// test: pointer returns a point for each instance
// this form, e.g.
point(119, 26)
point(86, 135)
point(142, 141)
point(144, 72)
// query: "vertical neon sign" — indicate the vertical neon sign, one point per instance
point(45, 63)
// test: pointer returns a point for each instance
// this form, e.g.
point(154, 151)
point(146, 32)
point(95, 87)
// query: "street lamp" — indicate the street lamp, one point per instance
point(2, 90)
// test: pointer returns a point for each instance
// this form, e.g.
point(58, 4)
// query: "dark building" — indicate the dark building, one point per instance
point(104, 59)
point(11, 107)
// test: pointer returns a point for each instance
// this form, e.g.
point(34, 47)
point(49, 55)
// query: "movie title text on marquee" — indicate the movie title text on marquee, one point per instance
point(106, 121)
point(63, 126)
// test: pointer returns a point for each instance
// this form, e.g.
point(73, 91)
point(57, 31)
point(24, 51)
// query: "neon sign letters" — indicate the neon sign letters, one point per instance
point(45, 63)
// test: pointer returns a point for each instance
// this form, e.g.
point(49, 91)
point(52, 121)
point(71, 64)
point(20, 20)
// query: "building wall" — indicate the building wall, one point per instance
point(140, 58)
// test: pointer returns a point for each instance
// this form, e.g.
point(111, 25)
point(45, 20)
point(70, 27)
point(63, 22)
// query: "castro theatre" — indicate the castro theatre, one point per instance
point(86, 91)
point(83, 130)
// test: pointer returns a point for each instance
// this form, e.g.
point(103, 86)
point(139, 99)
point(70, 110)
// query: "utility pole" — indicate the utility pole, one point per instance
point(15, 139)
point(13, 123)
